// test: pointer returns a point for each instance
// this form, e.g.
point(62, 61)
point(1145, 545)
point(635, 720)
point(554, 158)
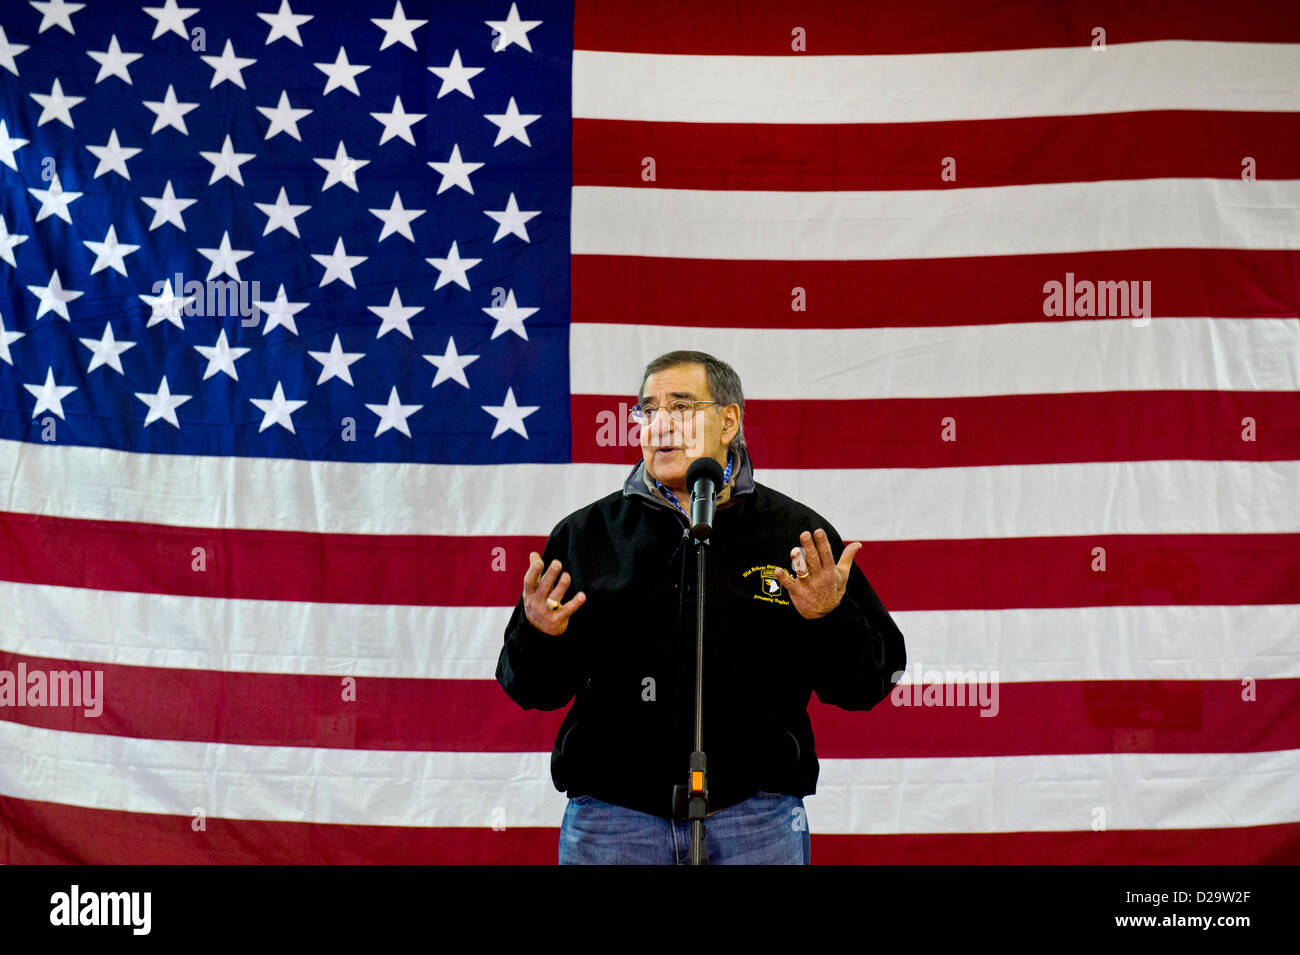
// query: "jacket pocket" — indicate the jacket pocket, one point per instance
point(798, 750)
point(562, 761)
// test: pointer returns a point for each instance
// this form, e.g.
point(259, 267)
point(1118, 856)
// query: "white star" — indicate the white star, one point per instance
point(511, 30)
point(167, 208)
point(113, 62)
point(7, 242)
point(55, 105)
point(226, 163)
point(49, 396)
point(338, 265)
point(395, 315)
point(276, 409)
point(397, 28)
point(453, 269)
point(106, 350)
point(455, 77)
point(335, 362)
point(397, 219)
point(56, 13)
point(510, 416)
point(341, 74)
point(54, 201)
point(170, 19)
point(451, 366)
point(398, 122)
point(9, 145)
point(510, 317)
point(8, 51)
point(224, 259)
point(455, 172)
point(280, 312)
point(7, 338)
point(342, 168)
point(281, 215)
point(112, 156)
point(285, 23)
point(510, 221)
point(169, 111)
point(165, 306)
point(163, 403)
point(221, 357)
point(110, 253)
point(284, 118)
point(393, 414)
point(512, 124)
point(227, 66)
point(54, 297)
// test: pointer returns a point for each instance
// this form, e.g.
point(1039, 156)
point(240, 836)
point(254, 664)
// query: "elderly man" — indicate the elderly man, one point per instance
point(623, 648)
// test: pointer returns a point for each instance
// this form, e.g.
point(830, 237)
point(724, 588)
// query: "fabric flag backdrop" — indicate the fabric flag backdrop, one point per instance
point(319, 315)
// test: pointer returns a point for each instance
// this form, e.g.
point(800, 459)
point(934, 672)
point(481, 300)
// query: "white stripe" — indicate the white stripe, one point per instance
point(937, 223)
point(1166, 642)
point(1052, 500)
point(873, 504)
point(929, 87)
point(1057, 793)
point(262, 636)
point(395, 788)
point(295, 495)
point(1062, 356)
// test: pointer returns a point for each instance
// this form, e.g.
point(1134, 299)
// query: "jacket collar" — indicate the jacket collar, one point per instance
point(640, 484)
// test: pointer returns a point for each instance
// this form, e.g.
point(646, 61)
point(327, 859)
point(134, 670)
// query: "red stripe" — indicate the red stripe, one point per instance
point(1141, 570)
point(41, 833)
point(263, 564)
point(922, 293)
point(276, 709)
point(991, 430)
point(869, 156)
point(1087, 716)
point(839, 27)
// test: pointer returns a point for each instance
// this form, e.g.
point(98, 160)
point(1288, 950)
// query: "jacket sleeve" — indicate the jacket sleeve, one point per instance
point(857, 651)
point(540, 671)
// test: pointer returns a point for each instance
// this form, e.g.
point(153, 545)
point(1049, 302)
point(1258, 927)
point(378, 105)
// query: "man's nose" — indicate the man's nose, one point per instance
point(662, 431)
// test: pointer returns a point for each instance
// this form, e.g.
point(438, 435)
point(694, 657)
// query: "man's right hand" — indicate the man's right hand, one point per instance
point(540, 588)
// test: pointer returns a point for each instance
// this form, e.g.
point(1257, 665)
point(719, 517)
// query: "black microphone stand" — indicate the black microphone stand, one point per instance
point(691, 801)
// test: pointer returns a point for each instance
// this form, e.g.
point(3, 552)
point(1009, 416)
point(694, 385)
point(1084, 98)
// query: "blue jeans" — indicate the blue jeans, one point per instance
point(767, 829)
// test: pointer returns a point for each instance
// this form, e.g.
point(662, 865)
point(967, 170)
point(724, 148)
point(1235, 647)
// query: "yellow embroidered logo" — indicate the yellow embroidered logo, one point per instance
point(766, 584)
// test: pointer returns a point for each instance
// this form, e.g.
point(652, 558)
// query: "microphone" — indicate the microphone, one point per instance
point(704, 480)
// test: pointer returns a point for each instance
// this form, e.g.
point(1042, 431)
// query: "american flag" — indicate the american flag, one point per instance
point(321, 314)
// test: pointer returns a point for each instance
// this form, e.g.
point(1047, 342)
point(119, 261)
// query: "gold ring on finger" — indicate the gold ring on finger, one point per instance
point(553, 604)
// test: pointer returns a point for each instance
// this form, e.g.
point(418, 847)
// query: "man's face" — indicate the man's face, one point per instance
point(707, 434)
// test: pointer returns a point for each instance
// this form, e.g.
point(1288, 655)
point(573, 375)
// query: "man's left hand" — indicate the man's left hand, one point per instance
point(821, 591)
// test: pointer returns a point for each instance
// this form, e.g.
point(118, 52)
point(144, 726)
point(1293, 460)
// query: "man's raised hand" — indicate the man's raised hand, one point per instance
point(542, 596)
point(821, 587)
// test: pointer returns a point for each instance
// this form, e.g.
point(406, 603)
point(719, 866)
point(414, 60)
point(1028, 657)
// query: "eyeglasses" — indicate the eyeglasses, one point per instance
point(678, 411)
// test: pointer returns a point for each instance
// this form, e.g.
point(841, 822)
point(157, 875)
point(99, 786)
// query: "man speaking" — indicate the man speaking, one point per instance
point(622, 646)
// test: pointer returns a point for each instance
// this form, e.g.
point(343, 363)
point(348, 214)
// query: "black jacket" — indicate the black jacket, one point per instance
point(629, 652)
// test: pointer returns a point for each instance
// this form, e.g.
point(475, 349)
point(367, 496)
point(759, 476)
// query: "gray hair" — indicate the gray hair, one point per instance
point(724, 384)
